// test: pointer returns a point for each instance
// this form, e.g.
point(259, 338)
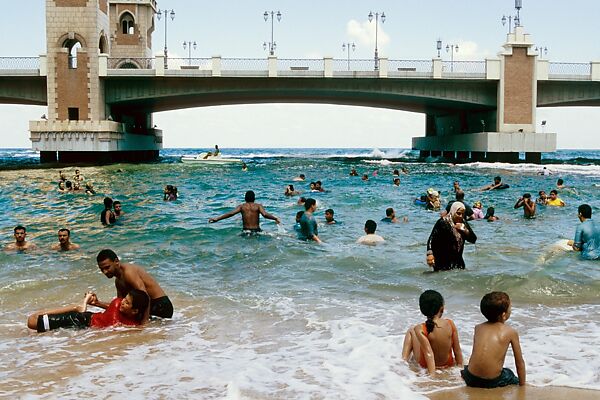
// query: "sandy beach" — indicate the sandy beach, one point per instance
point(516, 393)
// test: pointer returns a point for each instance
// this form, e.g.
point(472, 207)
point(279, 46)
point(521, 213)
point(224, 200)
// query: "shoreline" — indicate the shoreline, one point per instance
point(527, 392)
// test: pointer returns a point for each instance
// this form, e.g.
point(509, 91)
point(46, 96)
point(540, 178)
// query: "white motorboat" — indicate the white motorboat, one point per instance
point(204, 158)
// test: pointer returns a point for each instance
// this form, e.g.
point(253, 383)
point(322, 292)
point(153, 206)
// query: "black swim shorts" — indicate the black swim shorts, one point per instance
point(161, 307)
point(71, 319)
point(507, 377)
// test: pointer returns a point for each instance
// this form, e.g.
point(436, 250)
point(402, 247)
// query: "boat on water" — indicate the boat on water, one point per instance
point(205, 158)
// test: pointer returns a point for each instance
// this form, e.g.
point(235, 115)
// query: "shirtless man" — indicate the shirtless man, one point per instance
point(118, 209)
point(64, 241)
point(20, 243)
point(496, 185)
point(251, 212)
point(130, 276)
point(527, 204)
point(371, 238)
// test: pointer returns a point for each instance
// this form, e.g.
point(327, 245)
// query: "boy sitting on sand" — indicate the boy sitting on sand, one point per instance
point(131, 310)
point(433, 342)
point(490, 344)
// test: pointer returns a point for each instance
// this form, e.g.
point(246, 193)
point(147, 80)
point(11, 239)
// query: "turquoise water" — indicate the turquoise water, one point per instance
point(273, 317)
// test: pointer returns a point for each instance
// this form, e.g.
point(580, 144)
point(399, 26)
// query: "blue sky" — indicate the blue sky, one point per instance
point(311, 29)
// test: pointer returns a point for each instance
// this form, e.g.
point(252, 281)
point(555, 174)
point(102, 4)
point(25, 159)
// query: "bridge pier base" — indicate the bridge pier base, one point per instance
point(488, 146)
point(93, 142)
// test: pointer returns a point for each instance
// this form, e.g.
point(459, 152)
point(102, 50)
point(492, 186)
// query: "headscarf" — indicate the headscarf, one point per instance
point(457, 205)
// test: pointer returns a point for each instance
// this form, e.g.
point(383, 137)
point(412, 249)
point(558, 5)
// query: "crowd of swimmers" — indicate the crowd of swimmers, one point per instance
point(433, 344)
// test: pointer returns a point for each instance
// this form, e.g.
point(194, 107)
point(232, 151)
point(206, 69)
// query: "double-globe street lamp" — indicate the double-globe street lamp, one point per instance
point(451, 48)
point(376, 15)
point(189, 45)
point(346, 47)
point(167, 13)
point(272, 44)
point(517, 17)
point(542, 51)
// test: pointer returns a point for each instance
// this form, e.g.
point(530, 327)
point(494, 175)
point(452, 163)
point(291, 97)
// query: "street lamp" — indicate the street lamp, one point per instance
point(517, 17)
point(544, 126)
point(377, 15)
point(189, 45)
point(439, 46)
point(451, 48)
point(542, 51)
point(348, 46)
point(170, 13)
point(272, 44)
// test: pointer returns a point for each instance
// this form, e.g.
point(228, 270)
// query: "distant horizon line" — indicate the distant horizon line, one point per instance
point(306, 148)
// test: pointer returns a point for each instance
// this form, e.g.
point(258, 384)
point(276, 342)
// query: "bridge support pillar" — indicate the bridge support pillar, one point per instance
point(533, 157)
point(94, 142)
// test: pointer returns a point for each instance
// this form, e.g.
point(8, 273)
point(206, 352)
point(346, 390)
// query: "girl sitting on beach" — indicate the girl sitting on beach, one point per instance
point(433, 342)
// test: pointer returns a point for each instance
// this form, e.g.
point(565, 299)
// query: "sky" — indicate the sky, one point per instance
point(314, 29)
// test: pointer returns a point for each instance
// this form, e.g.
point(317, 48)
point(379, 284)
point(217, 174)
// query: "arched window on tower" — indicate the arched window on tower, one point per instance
point(127, 24)
point(73, 45)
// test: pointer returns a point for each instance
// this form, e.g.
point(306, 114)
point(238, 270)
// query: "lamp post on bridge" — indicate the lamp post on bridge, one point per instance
point(438, 46)
point(189, 45)
point(377, 15)
point(517, 17)
point(272, 44)
point(451, 48)
point(541, 50)
point(170, 13)
point(346, 46)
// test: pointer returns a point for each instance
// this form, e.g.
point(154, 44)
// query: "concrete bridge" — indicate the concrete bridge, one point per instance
point(101, 99)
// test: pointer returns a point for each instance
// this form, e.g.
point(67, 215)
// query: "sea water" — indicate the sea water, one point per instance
point(270, 316)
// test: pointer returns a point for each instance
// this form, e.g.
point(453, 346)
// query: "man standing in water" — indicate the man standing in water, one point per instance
point(251, 212)
point(308, 224)
point(130, 276)
point(20, 243)
point(587, 235)
point(527, 204)
point(64, 241)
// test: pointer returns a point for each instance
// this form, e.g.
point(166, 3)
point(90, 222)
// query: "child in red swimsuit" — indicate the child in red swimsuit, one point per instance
point(130, 310)
point(433, 342)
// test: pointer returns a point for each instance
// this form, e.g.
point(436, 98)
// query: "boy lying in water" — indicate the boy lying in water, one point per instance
point(131, 310)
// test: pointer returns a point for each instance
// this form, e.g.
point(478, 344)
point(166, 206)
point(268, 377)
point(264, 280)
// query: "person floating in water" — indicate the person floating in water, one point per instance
point(64, 241)
point(353, 172)
point(434, 342)
point(542, 198)
point(118, 209)
point(497, 185)
point(396, 181)
point(290, 191)
point(131, 276)
point(251, 213)
point(390, 216)
point(527, 204)
point(21, 244)
point(89, 188)
point(78, 177)
point(490, 215)
point(587, 234)
point(129, 311)
point(490, 343)
point(170, 193)
point(371, 238)
point(329, 219)
point(300, 178)
point(107, 217)
point(244, 167)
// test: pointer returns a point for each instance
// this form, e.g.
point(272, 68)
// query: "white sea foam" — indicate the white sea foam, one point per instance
point(533, 169)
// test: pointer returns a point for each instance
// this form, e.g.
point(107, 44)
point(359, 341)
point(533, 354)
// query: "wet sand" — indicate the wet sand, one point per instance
point(516, 393)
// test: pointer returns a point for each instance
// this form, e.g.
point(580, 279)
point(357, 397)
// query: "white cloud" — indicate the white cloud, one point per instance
point(364, 33)
point(468, 51)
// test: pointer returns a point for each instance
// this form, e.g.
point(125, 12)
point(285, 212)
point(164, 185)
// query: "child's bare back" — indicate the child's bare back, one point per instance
point(490, 344)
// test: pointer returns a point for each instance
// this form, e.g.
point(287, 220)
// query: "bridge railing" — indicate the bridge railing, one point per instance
point(244, 64)
point(203, 64)
point(569, 71)
point(410, 68)
point(19, 63)
point(463, 69)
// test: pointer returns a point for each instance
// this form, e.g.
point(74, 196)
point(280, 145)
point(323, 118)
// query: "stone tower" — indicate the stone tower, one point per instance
point(82, 38)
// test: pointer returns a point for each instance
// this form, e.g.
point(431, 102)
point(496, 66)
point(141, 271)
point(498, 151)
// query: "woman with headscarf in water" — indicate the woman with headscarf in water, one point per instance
point(447, 240)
